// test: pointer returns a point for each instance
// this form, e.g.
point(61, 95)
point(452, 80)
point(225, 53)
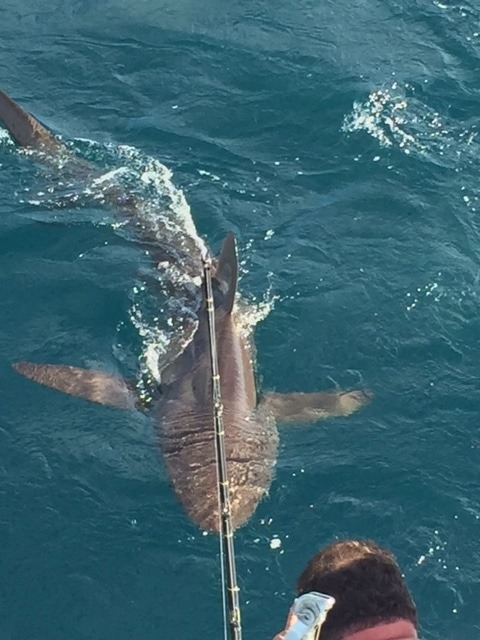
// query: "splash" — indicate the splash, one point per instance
point(450, 288)
point(432, 289)
point(384, 116)
point(249, 312)
point(164, 322)
point(397, 118)
point(156, 179)
point(149, 209)
point(5, 139)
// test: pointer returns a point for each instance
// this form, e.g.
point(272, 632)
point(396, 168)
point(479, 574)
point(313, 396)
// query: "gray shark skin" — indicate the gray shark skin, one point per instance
point(183, 410)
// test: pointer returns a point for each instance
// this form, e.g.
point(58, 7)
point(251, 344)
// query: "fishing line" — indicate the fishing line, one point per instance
point(230, 590)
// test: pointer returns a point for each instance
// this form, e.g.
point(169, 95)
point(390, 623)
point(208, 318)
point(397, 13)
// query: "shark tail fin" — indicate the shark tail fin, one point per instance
point(226, 272)
point(96, 386)
point(29, 133)
point(24, 128)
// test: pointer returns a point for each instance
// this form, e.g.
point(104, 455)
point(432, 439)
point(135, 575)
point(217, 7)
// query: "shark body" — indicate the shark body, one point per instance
point(183, 408)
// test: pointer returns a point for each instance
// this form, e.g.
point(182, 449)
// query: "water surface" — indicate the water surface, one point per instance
point(339, 141)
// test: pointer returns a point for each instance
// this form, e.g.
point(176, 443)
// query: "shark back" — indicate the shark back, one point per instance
point(186, 427)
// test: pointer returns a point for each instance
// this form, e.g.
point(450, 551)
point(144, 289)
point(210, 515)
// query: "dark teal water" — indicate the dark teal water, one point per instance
point(339, 140)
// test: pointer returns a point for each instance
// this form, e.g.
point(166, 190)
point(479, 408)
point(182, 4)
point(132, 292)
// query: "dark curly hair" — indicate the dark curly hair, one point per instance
point(366, 582)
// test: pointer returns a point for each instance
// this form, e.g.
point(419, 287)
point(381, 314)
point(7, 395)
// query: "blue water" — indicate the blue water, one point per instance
point(339, 141)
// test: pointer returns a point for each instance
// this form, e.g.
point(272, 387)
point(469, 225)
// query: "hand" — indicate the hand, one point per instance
point(291, 620)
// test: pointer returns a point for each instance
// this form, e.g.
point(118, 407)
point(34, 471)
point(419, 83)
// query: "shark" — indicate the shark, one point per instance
point(182, 406)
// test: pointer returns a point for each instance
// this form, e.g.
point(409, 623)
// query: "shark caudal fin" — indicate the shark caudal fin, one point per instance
point(226, 273)
point(96, 386)
point(24, 128)
point(311, 407)
point(29, 133)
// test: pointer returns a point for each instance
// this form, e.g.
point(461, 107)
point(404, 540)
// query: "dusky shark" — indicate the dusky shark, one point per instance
point(183, 408)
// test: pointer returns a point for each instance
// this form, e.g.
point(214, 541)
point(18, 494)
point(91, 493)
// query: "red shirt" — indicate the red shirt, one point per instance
point(400, 630)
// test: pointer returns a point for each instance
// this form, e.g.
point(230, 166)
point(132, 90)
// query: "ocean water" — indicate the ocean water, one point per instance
point(339, 141)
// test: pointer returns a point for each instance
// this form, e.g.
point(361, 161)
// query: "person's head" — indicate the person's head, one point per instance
point(369, 590)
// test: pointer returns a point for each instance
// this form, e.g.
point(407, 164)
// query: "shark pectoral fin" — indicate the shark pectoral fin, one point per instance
point(96, 386)
point(310, 407)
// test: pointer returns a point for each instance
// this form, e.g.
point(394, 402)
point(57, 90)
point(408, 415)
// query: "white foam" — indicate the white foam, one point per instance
point(398, 118)
point(383, 116)
point(109, 176)
point(207, 174)
point(275, 543)
point(163, 214)
point(5, 138)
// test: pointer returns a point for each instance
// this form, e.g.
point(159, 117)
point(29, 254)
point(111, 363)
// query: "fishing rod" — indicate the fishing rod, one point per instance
point(230, 589)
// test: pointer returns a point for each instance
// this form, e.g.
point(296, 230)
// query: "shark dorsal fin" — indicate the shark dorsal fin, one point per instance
point(226, 273)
